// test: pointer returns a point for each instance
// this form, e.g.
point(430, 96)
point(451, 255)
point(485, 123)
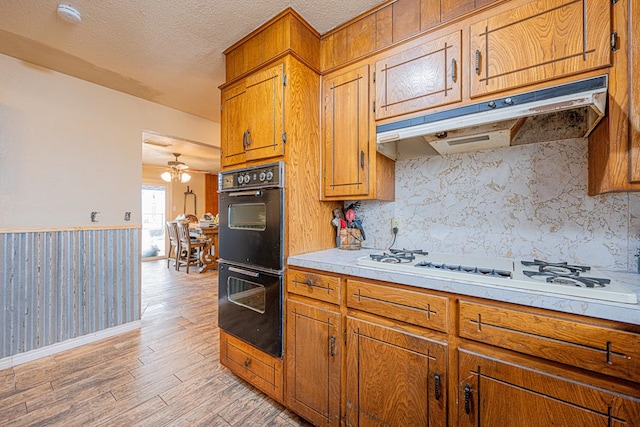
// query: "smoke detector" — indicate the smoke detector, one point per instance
point(69, 13)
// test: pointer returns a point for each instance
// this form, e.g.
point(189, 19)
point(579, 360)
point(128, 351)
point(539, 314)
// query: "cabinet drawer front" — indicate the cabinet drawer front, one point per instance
point(539, 41)
point(412, 307)
point(422, 77)
point(312, 285)
point(260, 369)
point(596, 348)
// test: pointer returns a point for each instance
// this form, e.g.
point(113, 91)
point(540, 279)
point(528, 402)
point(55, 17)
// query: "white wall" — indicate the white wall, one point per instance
point(69, 147)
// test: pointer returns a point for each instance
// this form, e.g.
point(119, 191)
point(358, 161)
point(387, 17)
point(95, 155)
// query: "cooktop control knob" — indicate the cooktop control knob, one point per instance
point(262, 176)
point(240, 179)
point(247, 178)
point(269, 176)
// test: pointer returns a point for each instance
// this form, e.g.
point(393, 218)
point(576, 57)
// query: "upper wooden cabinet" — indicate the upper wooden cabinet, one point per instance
point(538, 41)
point(614, 145)
point(424, 76)
point(345, 133)
point(253, 117)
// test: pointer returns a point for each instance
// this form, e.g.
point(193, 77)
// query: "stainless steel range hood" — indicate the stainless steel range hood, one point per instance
point(566, 111)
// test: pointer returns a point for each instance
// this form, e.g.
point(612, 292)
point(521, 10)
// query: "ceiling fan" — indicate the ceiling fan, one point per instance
point(178, 171)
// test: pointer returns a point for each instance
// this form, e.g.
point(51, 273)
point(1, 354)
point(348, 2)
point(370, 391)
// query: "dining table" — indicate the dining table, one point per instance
point(208, 255)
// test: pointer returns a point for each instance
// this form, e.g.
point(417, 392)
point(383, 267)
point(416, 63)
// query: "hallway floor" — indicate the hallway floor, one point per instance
point(165, 374)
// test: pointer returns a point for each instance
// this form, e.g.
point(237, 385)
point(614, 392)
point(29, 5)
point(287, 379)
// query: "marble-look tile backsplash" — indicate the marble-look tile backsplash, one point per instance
point(527, 201)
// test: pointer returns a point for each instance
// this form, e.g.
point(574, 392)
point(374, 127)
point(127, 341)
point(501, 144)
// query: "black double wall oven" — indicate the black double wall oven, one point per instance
point(251, 234)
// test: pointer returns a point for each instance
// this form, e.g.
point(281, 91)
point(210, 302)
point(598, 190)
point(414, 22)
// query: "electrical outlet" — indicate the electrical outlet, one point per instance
point(127, 216)
point(396, 224)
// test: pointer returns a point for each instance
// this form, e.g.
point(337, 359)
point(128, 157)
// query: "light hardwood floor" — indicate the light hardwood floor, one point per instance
point(166, 373)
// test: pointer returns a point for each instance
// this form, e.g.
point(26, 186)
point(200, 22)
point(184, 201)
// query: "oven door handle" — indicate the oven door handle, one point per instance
point(245, 272)
point(256, 193)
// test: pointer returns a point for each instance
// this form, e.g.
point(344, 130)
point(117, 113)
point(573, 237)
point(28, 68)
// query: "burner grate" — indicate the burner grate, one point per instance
point(397, 256)
point(557, 267)
point(568, 279)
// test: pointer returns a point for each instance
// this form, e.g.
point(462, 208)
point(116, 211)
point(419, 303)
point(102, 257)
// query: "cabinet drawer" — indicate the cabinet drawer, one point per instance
point(313, 285)
point(416, 308)
point(592, 347)
point(258, 368)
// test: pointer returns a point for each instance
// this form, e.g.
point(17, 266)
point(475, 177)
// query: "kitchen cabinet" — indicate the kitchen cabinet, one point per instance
point(500, 389)
point(424, 76)
point(313, 358)
point(396, 372)
point(614, 145)
point(351, 167)
point(253, 117)
point(313, 346)
point(394, 376)
point(262, 370)
point(536, 42)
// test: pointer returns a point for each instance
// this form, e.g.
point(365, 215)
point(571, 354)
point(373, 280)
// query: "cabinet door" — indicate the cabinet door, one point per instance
point(422, 77)
point(233, 126)
point(313, 352)
point(537, 42)
point(264, 106)
point(394, 378)
point(346, 134)
point(497, 393)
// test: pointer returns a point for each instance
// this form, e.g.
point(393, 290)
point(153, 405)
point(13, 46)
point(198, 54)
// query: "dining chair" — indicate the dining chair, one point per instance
point(190, 248)
point(174, 244)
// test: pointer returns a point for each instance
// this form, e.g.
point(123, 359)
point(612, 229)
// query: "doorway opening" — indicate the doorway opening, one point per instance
point(154, 217)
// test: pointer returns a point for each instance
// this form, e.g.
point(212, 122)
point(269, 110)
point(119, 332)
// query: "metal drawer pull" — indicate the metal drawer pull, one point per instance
point(454, 70)
point(309, 283)
point(247, 363)
point(437, 385)
point(245, 272)
point(467, 399)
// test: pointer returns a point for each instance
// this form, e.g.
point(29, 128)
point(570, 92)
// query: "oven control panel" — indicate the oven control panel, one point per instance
point(264, 176)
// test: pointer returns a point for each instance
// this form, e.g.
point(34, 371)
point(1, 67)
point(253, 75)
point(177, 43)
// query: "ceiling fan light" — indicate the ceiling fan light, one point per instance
point(166, 176)
point(185, 177)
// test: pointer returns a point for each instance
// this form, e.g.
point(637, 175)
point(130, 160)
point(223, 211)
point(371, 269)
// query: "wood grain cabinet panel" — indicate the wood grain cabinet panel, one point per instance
point(262, 370)
point(634, 70)
point(346, 134)
point(422, 77)
point(313, 359)
point(253, 117)
point(393, 377)
point(317, 286)
point(537, 42)
point(493, 392)
point(413, 307)
point(595, 348)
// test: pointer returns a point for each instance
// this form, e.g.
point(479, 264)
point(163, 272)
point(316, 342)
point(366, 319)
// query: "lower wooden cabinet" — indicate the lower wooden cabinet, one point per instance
point(394, 377)
point(504, 391)
point(260, 369)
point(313, 360)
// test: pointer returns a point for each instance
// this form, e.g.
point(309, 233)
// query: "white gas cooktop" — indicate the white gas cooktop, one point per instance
point(559, 278)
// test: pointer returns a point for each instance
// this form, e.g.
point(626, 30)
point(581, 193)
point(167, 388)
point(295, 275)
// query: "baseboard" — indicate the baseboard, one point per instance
point(18, 359)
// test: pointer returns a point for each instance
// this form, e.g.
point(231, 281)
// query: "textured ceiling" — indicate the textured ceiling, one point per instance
point(164, 51)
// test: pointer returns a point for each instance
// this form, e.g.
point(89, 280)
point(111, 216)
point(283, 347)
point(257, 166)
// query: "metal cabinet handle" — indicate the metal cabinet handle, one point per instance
point(361, 159)
point(467, 399)
point(244, 139)
point(454, 70)
point(332, 346)
point(248, 139)
point(437, 385)
point(477, 62)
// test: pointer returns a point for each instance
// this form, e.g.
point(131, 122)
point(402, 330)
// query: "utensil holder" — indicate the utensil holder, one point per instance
point(350, 239)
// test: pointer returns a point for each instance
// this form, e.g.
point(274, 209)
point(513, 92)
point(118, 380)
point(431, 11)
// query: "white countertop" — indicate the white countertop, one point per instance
point(344, 262)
